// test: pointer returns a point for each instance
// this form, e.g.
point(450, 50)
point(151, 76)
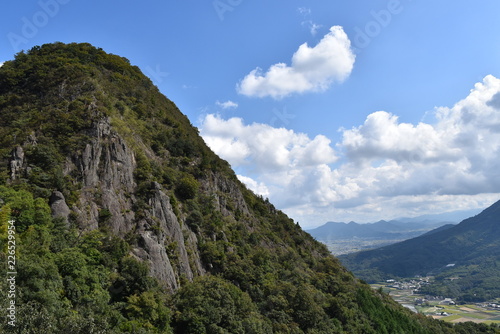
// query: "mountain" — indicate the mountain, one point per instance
point(342, 238)
point(441, 228)
point(381, 229)
point(122, 220)
point(333, 230)
point(465, 258)
point(453, 216)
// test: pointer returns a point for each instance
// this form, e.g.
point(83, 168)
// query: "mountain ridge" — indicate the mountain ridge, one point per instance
point(345, 238)
point(127, 222)
point(472, 243)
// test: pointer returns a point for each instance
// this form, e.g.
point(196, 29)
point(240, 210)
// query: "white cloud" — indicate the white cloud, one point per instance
point(456, 156)
point(312, 69)
point(304, 11)
point(263, 147)
point(383, 168)
point(383, 137)
point(1, 64)
point(227, 105)
point(257, 187)
point(313, 27)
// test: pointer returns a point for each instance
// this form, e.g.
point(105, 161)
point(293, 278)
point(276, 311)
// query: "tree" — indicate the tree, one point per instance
point(213, 305)
point(187, 187)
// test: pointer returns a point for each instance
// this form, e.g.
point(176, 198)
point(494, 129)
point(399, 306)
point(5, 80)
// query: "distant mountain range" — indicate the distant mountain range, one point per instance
point(345, 238)
point(465, 258)
point(382, 229)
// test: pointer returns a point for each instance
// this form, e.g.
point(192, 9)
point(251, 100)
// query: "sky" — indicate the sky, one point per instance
point(334, 110)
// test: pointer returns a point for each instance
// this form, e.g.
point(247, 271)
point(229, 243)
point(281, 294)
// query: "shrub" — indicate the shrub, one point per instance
point(187, 187)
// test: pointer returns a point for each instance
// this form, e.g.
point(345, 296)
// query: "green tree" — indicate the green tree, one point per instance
point(187, 187)
point(213, 305)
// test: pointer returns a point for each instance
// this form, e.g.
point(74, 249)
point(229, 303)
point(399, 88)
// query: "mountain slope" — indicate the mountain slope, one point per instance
point(125, 221)
point(471, 249)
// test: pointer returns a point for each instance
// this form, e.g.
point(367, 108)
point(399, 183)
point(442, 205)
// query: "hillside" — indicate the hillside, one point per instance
point(334, 230)
point(468, 254)
point(125, 222)
point(342, 238)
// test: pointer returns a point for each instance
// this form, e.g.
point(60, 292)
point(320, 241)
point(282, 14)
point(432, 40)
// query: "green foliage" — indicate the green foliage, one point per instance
point(148, 311)
point(471, 246)
point(114, 249)
point(471, 282)
point(5, 212)
point(133, 279)
point(143, 169)
point(73, 284)
point(187, 187)
point(104, 216)
point(263, 273)
point(212, 305)
point(24, 208)
point(194, 220)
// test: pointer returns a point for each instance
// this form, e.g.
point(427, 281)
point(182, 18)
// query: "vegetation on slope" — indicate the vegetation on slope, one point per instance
point(264, 274)
point(465, 259)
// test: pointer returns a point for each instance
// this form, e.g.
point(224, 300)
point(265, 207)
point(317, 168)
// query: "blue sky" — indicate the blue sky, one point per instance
point(335, 110)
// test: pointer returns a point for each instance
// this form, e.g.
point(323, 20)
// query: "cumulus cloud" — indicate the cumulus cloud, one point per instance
point(258, 188)
point(456, 156)
point(227, 105)
point(383, 137)
point(382, 168)
point(263, 147)
point(312, 69)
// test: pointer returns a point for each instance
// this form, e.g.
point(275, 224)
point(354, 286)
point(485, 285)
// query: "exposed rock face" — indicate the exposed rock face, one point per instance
point(16, 162)
point(151, 250)
point(104, 172)
point(58, 206)
point(225, 189)
point(105, 169)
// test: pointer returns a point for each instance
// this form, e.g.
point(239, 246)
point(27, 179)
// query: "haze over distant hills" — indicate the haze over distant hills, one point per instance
point(453, 216)
point(465, 258)
point(345, 238)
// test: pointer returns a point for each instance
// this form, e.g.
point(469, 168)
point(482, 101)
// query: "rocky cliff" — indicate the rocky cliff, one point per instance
point(104, 172)
point(128, 223)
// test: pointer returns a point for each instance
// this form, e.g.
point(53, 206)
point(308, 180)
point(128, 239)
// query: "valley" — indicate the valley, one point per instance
point(347, 238)
point(463, 258)
point(406, 292)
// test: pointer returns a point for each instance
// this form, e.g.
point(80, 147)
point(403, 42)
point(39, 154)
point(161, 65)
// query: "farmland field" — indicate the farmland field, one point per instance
point(438, 308)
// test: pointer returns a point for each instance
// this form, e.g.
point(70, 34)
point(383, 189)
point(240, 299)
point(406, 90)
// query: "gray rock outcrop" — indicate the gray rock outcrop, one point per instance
point(105, 169)
point(16, 162)
point(58, 206)
point(102, 172)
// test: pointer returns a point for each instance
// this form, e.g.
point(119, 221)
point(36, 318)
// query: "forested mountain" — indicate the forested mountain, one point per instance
point(124, 221)
point(465, 258)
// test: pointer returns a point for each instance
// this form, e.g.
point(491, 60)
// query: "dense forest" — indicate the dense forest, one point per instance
point(115, 217)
